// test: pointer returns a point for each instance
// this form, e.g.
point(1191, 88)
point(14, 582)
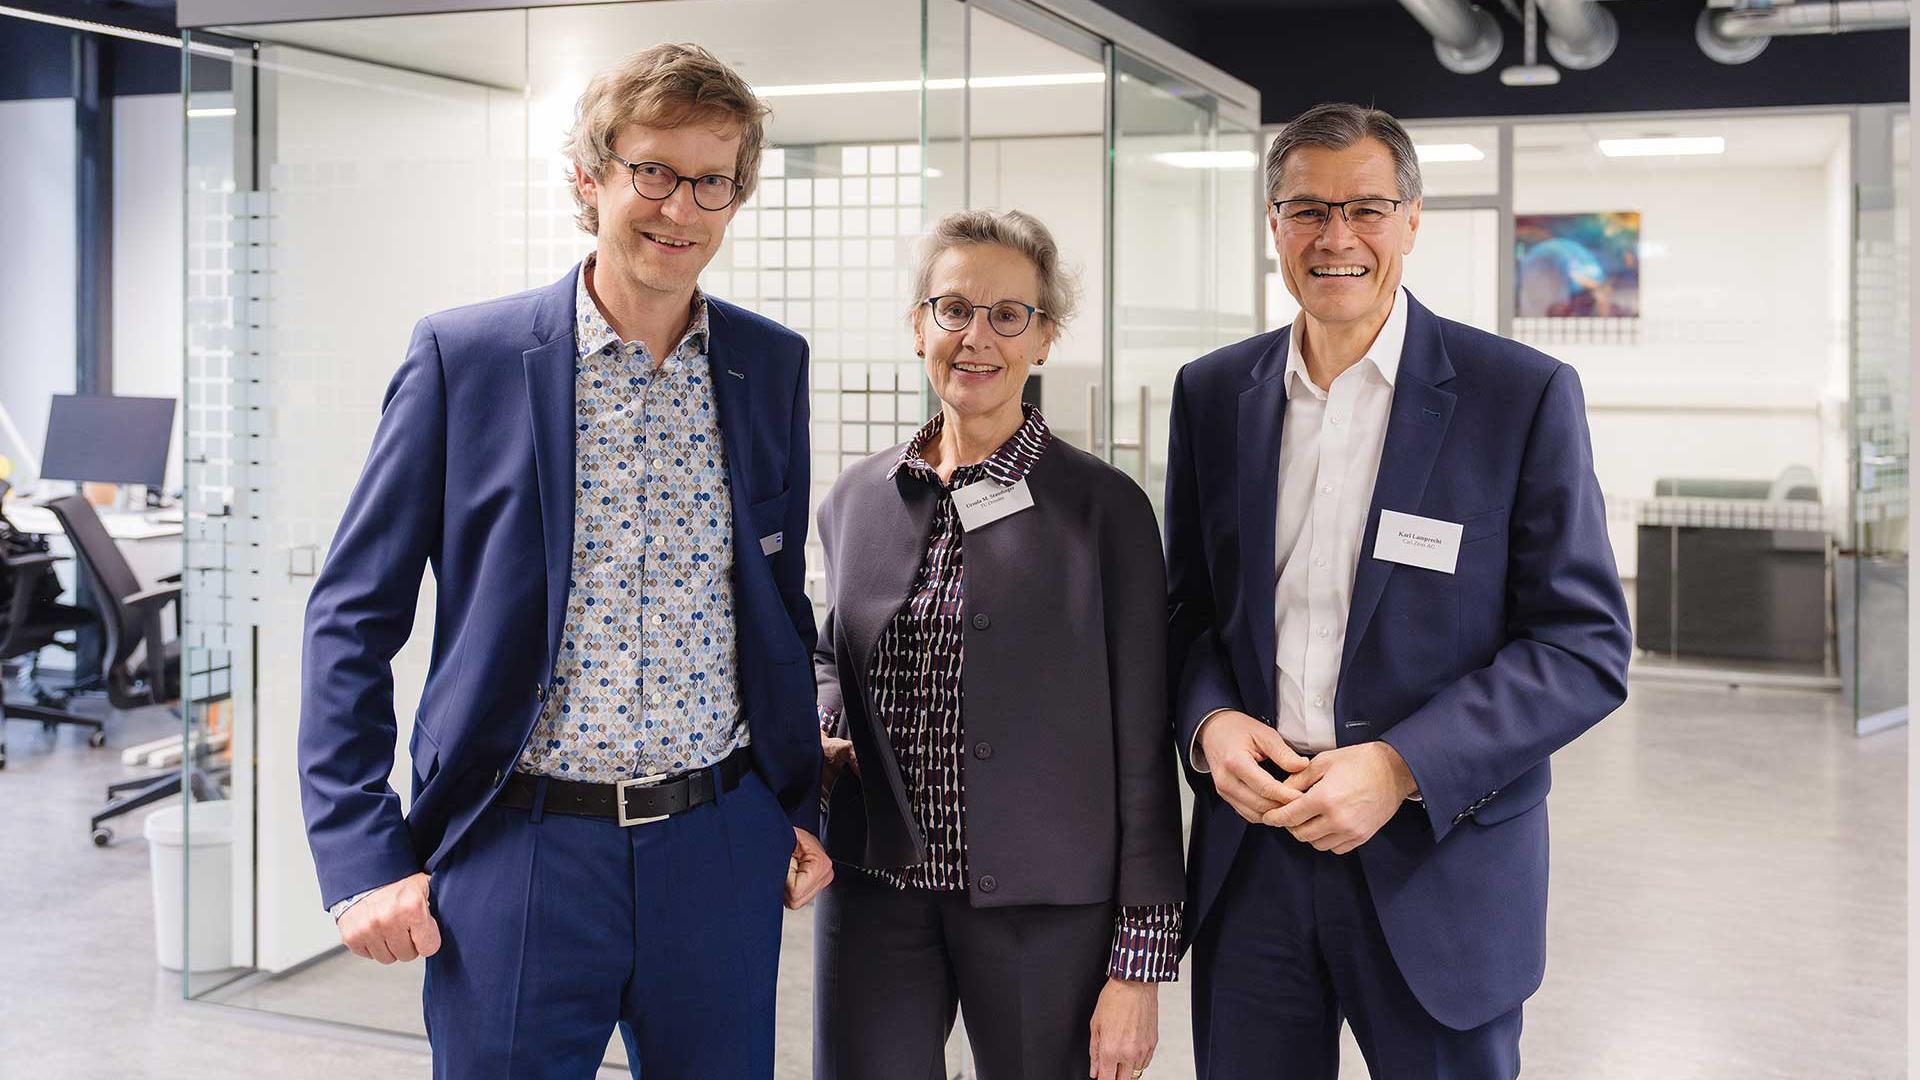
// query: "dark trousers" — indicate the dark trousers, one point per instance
point(1291, 948)
point(890, 965)
point(557, 929)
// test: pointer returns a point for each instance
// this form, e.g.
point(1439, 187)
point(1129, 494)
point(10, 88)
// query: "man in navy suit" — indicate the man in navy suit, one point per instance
point(615, 758)
point(1392, 599)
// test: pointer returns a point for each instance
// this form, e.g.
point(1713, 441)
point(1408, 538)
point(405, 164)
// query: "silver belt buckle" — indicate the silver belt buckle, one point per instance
point(620, 800)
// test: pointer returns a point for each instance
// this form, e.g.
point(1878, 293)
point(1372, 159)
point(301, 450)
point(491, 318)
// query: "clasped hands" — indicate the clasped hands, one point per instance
point(1334, 801)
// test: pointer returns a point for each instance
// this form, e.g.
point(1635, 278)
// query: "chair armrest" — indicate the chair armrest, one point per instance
point(152, 599)
point(32, 561)
point(174, 578)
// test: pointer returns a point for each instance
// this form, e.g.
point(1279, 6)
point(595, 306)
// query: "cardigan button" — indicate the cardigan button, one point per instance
point(988, 884)
point(981, 622)
point(983, 750)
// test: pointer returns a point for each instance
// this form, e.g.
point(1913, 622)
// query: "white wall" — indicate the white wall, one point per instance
point(37, 269)
point(1740, 368)
point(147, 272)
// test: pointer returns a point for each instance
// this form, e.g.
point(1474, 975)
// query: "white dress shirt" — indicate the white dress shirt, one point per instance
point(1330, 448)
point(1329, 456)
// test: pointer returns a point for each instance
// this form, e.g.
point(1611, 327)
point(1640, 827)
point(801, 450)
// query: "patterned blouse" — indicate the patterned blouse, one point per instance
point(646, 681)
point(916, 696)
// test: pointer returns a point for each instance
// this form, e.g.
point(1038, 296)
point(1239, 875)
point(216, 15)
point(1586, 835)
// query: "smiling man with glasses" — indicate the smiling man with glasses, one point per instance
point(1392, 598)
point(615, 756)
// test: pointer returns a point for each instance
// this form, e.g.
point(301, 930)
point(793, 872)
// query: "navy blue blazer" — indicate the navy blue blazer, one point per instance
point(1474, 677)
point(471, 473)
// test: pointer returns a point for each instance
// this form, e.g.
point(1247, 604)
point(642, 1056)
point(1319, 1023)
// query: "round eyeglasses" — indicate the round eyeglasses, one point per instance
point(1008, 318)
point(1368, 215)
point(656, 180)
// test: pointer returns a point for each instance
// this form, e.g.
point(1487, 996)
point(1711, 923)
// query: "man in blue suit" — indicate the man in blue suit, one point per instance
point(615, 758)
point(1392, 599)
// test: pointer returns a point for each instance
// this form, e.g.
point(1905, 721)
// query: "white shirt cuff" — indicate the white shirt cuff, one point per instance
point(340, 908)
point(1194, 755)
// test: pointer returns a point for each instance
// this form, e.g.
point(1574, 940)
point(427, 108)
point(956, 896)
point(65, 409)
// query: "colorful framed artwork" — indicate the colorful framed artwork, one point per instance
point(1575, 266)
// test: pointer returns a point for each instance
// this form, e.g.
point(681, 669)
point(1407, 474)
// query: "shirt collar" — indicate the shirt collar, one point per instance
point(1384, 352)
point(592, 332)
point(1006, 466)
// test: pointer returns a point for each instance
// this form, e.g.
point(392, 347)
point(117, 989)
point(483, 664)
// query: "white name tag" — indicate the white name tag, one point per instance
point(771, 544)
point(1417, 541)
point(984, 502)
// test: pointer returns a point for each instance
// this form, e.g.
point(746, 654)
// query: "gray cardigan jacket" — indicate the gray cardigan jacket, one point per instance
point(1064, 677)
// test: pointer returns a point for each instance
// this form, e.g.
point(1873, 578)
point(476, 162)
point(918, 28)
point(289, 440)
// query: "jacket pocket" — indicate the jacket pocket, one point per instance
point(1481, 526)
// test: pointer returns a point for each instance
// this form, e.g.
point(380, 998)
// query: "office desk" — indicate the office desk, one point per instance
point(152, 549)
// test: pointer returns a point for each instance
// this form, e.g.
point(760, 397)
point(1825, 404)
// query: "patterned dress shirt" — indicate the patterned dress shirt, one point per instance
point(916, 696)
point(646, 680)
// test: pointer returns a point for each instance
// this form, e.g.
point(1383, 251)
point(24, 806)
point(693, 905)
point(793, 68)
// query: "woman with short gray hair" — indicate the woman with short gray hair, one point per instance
point(993, 705)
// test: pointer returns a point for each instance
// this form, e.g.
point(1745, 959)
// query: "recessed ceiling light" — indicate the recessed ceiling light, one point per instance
point(1441, 153)
point(1208, 159)
point(1676, 146)
point(894, 86)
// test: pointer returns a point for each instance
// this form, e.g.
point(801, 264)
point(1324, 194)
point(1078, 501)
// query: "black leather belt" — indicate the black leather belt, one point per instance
point(629, 802)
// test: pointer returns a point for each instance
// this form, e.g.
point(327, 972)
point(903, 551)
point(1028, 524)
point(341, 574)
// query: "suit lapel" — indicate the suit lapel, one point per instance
point(549, 374)
point(732, 386)
point(1263, 409)
point(1416, 428)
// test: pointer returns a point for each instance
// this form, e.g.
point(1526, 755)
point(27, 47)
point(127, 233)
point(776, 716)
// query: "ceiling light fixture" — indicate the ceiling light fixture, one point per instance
point(895, 86)
point(1208, 159)
point(1444, 153)
point(1668, 146)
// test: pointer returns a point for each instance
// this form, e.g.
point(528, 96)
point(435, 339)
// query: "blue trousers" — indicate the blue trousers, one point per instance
point(1291, 948)
point(557, 929)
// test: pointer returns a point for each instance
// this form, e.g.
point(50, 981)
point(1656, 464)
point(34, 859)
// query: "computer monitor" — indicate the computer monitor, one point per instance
point(112, 440)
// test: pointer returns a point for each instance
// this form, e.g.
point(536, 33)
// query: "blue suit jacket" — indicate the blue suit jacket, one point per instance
point(1474, 677)
point(471, 473)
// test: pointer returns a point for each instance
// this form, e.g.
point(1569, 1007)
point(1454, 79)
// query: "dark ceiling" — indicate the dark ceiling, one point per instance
point(1298, 52)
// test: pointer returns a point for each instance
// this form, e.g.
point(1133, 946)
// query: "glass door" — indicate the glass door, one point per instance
point(1184, 244)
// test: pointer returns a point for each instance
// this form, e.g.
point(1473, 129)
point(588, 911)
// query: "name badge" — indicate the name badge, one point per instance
point(773, 543)
point(984, 502)
point(1412, 540)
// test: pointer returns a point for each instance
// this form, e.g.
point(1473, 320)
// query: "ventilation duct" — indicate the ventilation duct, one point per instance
point(1466, 38)
point(1741, 33)
point(1580, 33)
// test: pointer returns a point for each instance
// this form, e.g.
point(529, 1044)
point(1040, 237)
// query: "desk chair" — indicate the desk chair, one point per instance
point(131, 618)
point(31, 620)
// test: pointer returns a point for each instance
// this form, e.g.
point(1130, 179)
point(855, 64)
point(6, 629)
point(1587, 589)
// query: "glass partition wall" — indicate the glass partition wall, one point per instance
point(346, 177)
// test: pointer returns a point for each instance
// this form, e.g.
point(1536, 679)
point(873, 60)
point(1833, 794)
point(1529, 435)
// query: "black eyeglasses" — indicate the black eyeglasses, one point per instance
point(1008, 318)
point(1311, 215)
point(656, 180)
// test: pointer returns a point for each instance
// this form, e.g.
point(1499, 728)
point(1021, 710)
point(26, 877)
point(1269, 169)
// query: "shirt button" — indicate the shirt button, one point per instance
point(1336, 421)
point(988, 884)
point(981, 622)
point(983, 750)
point(1319, 560)
point(1326, 489)
point(1320, 702)
point(658, 464)
point(1323, 631)
point(658, 619)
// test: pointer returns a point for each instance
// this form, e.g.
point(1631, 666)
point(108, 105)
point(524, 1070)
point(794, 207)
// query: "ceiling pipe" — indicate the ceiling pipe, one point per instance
point(1738, 35)
point(1466, 38)
point(1580, 33)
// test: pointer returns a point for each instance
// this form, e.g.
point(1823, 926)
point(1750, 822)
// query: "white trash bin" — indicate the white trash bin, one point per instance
point(210, 861)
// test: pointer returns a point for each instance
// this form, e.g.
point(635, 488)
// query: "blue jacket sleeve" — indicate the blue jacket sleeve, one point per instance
point(1564, 667)
point(1197, 672)
point(359, 615)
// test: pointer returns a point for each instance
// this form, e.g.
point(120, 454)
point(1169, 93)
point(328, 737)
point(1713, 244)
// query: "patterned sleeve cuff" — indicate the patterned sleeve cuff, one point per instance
point(830, 721)
point(1146, 944)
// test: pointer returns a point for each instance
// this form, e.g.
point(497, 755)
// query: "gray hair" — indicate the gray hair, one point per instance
point(1012, 229)
point(1337, 126)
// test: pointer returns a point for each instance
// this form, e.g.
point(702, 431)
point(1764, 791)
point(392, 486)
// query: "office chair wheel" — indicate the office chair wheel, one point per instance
point(97, 740)
point(102, 836)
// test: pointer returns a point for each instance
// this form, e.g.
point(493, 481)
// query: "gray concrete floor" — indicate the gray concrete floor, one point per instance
point(1728, 901)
